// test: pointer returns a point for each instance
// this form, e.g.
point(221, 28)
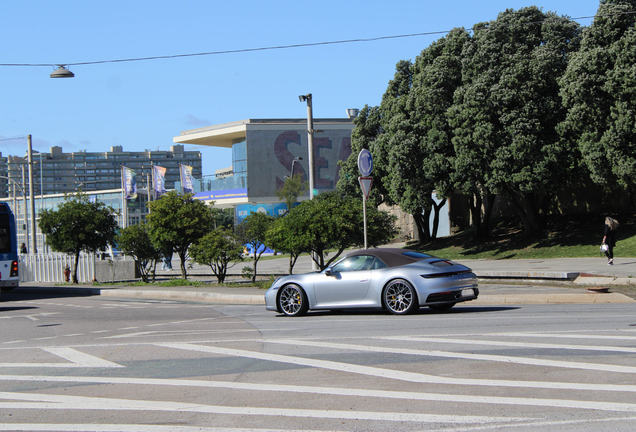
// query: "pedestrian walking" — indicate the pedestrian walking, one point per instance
point(167, 261)
point(609, 239)
point(23, 249)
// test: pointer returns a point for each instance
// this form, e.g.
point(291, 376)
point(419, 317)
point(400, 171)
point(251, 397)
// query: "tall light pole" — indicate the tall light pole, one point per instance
point(310, 148)
point(34, 246)
point(310, 141)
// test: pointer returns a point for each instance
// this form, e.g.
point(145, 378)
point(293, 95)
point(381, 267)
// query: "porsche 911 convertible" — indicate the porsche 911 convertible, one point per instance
point(398, 280)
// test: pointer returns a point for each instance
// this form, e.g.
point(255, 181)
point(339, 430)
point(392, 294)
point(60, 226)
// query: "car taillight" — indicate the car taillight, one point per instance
point(14, 269)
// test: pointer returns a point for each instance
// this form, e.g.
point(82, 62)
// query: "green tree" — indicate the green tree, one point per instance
point(252, 231)
point(417, 144)
point(178, 220)
point(507, 110)
point(223, 218)
point(135, 242)
point(78, 225)
point(599, 91)
point(334, 221)
point(218, 249)
point(291, 190)
point(285, 235)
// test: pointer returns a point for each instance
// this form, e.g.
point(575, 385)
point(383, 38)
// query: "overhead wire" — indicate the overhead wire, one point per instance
point(278, 47)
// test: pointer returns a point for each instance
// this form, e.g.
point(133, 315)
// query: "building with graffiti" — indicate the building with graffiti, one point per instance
point(264, 153)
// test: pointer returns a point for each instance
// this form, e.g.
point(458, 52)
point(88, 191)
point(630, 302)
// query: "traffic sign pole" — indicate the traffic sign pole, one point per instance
point(365, 165)
point(365, 185)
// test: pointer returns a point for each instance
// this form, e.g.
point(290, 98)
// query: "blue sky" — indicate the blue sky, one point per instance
point(144, 104)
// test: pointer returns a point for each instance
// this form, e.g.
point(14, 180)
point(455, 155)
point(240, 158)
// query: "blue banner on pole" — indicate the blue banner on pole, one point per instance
point(187, 181)
point(130, 184)
point(158, 180)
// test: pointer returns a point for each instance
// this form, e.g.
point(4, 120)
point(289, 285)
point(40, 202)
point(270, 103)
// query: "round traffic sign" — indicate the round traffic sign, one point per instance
point(365, 162)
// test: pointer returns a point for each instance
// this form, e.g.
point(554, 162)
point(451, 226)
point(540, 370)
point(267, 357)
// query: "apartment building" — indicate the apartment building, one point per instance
point(58, 172)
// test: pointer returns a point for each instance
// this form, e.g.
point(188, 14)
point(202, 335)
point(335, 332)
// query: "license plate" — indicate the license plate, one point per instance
point(468, 293)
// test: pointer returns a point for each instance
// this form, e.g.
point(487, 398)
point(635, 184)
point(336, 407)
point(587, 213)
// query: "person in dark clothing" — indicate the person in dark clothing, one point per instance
point(23, 248)
point(609, 238)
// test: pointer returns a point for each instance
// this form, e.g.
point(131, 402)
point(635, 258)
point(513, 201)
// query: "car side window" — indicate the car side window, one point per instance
point(354, 263)
point(378, 264)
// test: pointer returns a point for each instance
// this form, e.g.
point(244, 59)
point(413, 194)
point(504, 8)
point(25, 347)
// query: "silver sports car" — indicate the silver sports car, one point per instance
point(400, 280)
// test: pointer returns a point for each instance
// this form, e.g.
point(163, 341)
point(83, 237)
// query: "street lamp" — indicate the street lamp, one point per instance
point(296, 159)
point(62, 72)
point(310, 142)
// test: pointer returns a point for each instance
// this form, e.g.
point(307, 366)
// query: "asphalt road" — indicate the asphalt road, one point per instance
point(97, 364)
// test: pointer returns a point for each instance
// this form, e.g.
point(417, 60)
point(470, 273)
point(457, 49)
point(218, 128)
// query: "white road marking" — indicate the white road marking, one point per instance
point(566, 336)
point(397, 375)
point(509, 344)
point(48, 402)
point(35, 427)
point(80, 358)
point(32, 317)
point(77, 360)
point(177, 333)
point(484, 357)
point(542, 424)
point(335, 391)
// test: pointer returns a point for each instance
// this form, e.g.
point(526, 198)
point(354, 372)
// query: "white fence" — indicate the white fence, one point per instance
point(50, 267)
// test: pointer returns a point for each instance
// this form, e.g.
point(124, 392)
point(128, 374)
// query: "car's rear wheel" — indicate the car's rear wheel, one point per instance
point(399, 297)
point(292, 300)
point(441, 307)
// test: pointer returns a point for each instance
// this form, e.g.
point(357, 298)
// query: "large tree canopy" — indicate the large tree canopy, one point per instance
point(79, 224)
point(508, 107)
point(599, 90)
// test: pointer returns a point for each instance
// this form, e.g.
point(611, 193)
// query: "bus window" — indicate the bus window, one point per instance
point(5, 240)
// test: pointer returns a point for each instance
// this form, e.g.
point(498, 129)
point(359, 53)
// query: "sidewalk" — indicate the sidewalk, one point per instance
point(552, 281)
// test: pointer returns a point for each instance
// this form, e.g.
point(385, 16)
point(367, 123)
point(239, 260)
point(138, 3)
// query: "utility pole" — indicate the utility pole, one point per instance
point(34, 246)
point(24, 205)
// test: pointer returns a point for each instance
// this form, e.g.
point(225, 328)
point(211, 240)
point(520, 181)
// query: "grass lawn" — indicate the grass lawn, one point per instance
point(572, 236)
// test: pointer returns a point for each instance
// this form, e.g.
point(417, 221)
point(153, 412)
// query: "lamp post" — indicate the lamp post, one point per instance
point(310, 149)
point(310, 141)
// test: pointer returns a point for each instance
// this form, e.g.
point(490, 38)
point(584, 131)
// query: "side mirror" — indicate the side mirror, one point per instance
point(328, 272)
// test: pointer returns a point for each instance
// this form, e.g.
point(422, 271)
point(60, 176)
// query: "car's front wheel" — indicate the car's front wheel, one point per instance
point(292, 300)
point(399, 297)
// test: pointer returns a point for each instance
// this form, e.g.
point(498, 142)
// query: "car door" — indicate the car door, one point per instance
point(346, 283)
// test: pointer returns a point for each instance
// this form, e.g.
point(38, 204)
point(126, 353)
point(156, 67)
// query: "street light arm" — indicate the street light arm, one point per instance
point(15, 183)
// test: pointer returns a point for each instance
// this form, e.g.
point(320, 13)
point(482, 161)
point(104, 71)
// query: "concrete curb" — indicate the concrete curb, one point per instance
point(527, 275)
point(519, 299)
point(604, 280)
point(204, 297)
